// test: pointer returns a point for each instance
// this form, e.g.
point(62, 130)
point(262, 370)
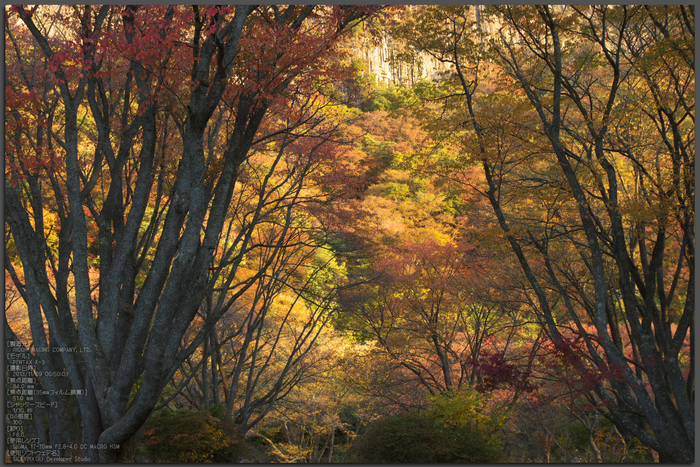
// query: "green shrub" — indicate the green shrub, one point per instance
point(454, 429)
point(401, 438)
point(191, 436)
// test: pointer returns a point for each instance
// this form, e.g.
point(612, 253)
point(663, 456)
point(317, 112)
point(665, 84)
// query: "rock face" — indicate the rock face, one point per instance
point(383, 60)
point(386, 57)
point(389, 60)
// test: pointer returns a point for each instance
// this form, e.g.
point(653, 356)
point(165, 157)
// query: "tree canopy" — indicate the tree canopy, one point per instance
point(225, 235)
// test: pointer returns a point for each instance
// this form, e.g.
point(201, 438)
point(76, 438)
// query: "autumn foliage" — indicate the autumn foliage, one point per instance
point(244, 238)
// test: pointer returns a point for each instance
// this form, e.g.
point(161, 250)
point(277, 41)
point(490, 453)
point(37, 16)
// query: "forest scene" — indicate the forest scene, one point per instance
point(349, 233)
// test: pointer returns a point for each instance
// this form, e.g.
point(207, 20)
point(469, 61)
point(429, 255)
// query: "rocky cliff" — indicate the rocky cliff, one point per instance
point(387, 61)
point(388, 58)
